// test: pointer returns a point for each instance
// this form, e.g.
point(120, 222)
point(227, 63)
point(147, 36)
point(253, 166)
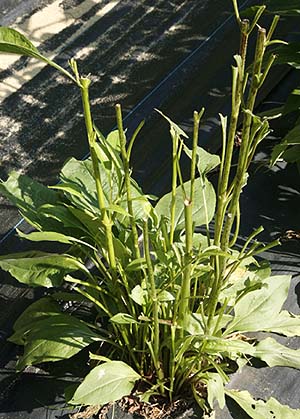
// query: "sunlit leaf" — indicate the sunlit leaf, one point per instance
point(106, 383)
point(29, 195)
point(123, 318)
point(215, 389)
point(174, 127)
point(55, 338)
point(259, 409)
point(37, 311)
point(202, 211)
point(275, 354)
point(259, 309)
point(39, 268)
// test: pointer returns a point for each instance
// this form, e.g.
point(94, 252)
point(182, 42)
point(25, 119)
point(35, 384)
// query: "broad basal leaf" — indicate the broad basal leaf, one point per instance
point(55, 338)
point(284, 323)
point(259, 409)
point(51, 236)
point(106, 383)
point(39, 268)
point(203, 208)
point(215, 389)
point(259, 309)
point(37, 311)
point(29, 195)
point(230, 347)
point(275, 354)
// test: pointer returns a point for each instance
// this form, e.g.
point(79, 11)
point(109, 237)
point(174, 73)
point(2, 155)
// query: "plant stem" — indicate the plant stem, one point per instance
point(156, 346)
point(125, 159)
point(237, 94)
point(238, 83)
point(85, 83)
point(185, 293)
point(174, 186)
point(245, 145)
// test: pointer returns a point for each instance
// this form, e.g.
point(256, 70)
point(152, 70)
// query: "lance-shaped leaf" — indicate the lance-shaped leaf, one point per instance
point(37, 311)
point(215, 389)
point(29, 195)
point(55, 338)
point(259, 409)
point(106, 383)
point(13, 42)
point(275, 354)
point(259, 309)
point(206, 161)
point(174, 128)
point(203, 208)
point(40, 268)
point(123, 318)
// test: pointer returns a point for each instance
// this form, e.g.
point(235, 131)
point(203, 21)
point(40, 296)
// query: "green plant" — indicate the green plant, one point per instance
point(169, 306)
point(287, 53)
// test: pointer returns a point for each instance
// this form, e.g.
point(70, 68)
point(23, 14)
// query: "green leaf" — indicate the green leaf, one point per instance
point(165, 295)
point(106, 383)
point(284, 323)
point(259, 409)
point(174, 128)
point(29, 195)
point(292, 154)
point(123, 318)
point(55, 338)
point(136, 265)
point(39, 310)
point(284, 7)
point(113, 139)
point(203, 208)
point(275, 354)
point(13, 42)
point(215, 389)
point(231, 347)
point(259, 309)
point(139, 295)
point(293, 102)
point(206, 161)
point(289, 54)
point(39, 268)
point(195, 325)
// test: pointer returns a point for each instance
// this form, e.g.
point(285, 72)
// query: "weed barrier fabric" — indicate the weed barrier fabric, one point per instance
point(29, 394)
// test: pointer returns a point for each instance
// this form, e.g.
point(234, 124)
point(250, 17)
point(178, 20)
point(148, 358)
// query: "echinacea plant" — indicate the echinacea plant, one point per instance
point(170, 307)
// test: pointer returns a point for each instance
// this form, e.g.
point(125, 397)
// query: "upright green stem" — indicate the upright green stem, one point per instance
point(154, 299)
point(85, 83)
point(125, 159)
point(174, 186)
point(185, 293)
point(245, 145)
point(197, 118)
point(237, 94)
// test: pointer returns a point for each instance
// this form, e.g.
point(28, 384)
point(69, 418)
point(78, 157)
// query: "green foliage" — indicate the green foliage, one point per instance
point(108, 381)
point(170, 304)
